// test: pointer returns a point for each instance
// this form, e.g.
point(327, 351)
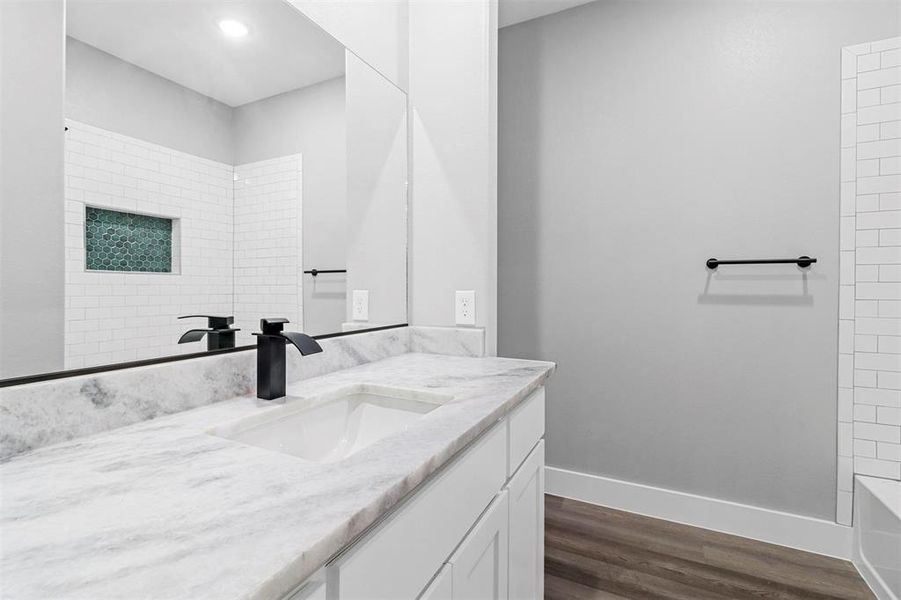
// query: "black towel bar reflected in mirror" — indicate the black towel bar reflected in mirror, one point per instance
point(801, 261)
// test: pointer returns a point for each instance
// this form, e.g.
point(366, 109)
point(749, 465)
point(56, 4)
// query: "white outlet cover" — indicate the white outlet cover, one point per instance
point(465, 307)
point(361, 305)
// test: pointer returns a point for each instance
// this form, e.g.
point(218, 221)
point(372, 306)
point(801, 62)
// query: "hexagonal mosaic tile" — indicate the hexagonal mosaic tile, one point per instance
point(120, 241)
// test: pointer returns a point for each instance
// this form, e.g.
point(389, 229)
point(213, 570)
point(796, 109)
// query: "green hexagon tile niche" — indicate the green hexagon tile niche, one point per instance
point(120, 241)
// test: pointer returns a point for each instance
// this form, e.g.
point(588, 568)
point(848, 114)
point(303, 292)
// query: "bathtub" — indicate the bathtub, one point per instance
point(877, 535)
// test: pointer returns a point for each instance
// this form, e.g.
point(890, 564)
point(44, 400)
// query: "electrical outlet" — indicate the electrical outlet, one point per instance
point(361, 305)
point(465, 307)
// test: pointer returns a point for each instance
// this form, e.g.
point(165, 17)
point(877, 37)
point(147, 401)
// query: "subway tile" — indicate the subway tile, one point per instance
point(847, 197)
point(889, 95)
point(868, 62)
point(889, 272)
point(866, 343)
point(877, 433)
point(863, 98)
point(889, 58)
point(867, 238)
point(877, 362)
point(886, 44)
point(879, 149)
point(869, 168)
point(889, 380)
point(879, 78)
point(890, 237)
point(849, 65)
point(878, 291)
point(880, 255)
point(845, 439)
point(864, 413)
point(887, 166)
point(848, 163)
point(866, 308)
point(887, 415)
point(877, 468)
point(889, 344)
point(845, 474)
point(888, 451)
point(846, 301)
point(864, 379)
point(865, 448)
point(845, 405)
point(890, 309)
point(865, 133)
point(846, 336)
point(866, 273)
point(877, 185)
point(890, 201)
point(849, 131)
point(847, 236)
point(877, 326)
point(846, 371)
point(867, 202)
point(888, 130)
point(878, 114)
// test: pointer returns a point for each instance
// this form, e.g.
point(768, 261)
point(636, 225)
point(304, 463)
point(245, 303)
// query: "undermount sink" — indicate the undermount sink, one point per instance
point(333, 426)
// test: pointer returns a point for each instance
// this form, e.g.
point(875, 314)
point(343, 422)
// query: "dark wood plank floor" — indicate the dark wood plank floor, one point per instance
point(596, 553)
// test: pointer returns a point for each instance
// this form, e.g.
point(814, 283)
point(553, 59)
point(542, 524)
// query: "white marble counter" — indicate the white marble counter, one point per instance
point(161, 509)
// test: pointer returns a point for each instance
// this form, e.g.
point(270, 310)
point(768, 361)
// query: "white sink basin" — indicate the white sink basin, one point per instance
point(334, 426)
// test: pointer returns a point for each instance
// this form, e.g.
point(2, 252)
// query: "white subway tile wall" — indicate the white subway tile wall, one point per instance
point(869, 406)
point(116, 316)
point(268, 244)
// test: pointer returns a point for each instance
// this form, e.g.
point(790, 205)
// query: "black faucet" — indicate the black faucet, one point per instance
point(271, 356)
point(218, 334)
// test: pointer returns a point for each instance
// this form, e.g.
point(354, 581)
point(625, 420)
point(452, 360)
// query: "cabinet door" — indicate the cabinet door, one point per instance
point(526, 497)
point(441, 587)
point(479, 566)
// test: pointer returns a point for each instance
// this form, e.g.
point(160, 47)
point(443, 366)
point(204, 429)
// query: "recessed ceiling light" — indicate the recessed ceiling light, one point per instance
point(232, 28)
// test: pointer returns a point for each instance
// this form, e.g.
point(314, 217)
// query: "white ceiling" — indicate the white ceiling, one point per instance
point(180, 40)
point(511, 12)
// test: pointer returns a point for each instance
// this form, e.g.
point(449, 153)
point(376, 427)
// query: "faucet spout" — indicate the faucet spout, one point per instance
point(271, 360)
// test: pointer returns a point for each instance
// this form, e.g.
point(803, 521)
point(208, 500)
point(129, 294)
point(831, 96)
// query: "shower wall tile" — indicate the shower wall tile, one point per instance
point(125, 316)
point(871, 267)
point(268, 244)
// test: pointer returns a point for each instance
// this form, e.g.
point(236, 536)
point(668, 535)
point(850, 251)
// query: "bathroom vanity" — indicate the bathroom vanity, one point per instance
point(415, 476)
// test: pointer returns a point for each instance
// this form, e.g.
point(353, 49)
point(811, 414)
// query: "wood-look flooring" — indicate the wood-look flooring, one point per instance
point(597, 553)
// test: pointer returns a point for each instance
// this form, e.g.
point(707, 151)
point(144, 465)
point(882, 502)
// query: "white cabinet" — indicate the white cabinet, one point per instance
point(479, 565)
point(526, 498)
point(473, 531)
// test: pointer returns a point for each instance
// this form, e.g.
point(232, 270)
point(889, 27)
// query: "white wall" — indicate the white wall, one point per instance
point(32, 78)
point(374, 30)
point(117, 317)
point(639, 139)
point(268, 244)
point(312, 122)
point(453, 95)
point(870, 294)
point(376, 193)
point(107, 92)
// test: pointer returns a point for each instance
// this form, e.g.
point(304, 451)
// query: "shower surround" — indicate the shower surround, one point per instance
point(869, 400)
point(236, 246)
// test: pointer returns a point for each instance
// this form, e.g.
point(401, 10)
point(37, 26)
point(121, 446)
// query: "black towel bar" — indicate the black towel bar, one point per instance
point(801, 261)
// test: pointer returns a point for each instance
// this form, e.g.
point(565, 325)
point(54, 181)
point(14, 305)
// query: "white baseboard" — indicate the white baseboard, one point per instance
point(773, 526)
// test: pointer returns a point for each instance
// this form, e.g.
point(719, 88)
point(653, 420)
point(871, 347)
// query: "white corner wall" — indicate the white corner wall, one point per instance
point(376, 193)
point(869, 411)
point(32, 77)
point(453, 96)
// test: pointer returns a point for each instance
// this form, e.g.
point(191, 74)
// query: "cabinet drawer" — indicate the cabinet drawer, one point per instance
point(525, 427)
point(398, 558)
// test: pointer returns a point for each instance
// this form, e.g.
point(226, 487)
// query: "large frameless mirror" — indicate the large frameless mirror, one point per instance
point(224, 161)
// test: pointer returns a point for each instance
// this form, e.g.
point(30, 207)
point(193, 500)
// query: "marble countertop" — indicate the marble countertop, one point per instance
point(162, 509)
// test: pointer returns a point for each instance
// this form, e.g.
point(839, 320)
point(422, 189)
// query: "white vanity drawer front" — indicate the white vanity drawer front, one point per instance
point(526, 427)
point(397, 559)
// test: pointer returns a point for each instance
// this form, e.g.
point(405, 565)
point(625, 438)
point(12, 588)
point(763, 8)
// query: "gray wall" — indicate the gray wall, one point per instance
point(311, 121)
point(31, 196)
point(637, 139)
point(112, 94)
